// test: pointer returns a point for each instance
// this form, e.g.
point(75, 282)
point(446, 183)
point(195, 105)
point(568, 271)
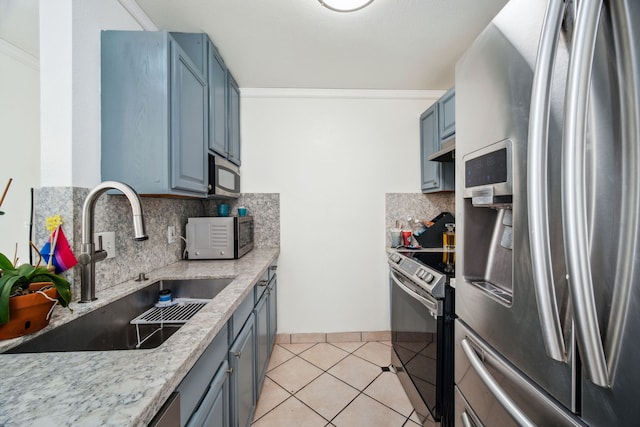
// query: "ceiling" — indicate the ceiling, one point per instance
point(391, 44)
point(19, 24)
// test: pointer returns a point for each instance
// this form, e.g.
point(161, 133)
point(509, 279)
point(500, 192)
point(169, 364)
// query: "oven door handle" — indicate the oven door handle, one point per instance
point(434, 308)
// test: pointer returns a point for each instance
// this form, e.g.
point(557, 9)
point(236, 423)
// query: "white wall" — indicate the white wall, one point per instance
point(19, 144)
point(332, 156)
point(70, 100)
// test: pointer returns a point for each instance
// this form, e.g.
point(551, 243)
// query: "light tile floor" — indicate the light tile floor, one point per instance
point(333, 384)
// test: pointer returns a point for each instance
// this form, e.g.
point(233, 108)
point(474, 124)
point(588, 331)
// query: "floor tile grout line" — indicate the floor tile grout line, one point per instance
point(273, 367)
point(320, 367)
point(318, 413)
point(360, 392)
point(270, 410)
point(363, 391)
point(345, 407)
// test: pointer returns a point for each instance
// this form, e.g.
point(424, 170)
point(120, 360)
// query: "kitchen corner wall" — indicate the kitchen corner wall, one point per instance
point(113, 213)
point(333, 155)
point(400, 206)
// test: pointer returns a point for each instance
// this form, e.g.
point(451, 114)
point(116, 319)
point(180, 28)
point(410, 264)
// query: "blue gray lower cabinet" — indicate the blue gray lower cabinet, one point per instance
point(273, 310)
point(194, 386)
point(261, 313)
point(242, 360)
point(222, 388)
point(214, 409)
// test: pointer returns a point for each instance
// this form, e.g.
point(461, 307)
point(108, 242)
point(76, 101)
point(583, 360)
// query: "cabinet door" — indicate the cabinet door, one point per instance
point(195, 384)
point(233, 153)
point(214, 409)
point(262, 339)
point(447, 114)
point(217, 102)
point(429, 143)
point(436, 176)
point(242, 361)
point(273, 311)
point(189, 128)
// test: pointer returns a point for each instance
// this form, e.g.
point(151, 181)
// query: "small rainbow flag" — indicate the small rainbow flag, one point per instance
point(63, 257)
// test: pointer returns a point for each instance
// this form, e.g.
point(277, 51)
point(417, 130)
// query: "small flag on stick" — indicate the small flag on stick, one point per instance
point(56, 251)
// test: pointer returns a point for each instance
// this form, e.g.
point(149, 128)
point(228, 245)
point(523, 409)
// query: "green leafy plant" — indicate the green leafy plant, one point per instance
point(16, 280)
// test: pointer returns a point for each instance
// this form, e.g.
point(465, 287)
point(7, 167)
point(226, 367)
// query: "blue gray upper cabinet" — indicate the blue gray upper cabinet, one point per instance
point(437, 124)
point(224, 95)
point(218, 89)
point(233, 138)
point(154, 114)
point(447, 114)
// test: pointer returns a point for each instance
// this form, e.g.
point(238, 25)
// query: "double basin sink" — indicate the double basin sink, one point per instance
point(110, 328)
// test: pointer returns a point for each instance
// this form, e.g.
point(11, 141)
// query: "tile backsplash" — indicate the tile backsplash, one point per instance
point(113, 213)
point(400, 206)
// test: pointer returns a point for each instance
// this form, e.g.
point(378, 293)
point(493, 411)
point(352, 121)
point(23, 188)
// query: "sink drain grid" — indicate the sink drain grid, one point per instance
point(175, 314)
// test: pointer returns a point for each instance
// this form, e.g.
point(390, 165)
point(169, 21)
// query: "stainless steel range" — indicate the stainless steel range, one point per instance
point(422, 315)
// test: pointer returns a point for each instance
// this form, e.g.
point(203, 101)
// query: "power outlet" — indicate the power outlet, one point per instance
point(171, 234)
point(106, 241)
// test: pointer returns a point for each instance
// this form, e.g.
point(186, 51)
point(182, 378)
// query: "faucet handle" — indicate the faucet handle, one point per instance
point(84, 258)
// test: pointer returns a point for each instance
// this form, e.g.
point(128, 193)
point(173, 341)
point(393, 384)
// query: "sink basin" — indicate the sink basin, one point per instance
point(109, 328)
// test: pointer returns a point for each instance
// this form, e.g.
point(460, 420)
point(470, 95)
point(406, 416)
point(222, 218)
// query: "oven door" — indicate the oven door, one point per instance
point(416, 324)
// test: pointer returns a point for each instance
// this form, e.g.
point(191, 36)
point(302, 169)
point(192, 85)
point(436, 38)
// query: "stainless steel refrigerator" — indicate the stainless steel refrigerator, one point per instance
point(548, 217)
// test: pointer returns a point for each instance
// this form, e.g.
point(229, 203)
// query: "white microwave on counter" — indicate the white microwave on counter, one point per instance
point(219, 237)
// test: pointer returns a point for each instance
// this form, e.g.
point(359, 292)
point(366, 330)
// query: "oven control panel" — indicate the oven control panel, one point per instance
point(427, 278)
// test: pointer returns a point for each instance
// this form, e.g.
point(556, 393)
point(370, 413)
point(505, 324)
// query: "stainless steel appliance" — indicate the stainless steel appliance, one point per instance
point(227, 237)
point(547, 201)
point(224, 178)
point(422, 331)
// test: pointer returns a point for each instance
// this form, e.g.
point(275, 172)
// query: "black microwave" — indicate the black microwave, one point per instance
point(224, 177)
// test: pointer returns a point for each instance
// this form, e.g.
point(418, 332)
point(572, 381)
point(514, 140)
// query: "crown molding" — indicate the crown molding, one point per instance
point(340, 93)
point(18, 54)
point(139, 15)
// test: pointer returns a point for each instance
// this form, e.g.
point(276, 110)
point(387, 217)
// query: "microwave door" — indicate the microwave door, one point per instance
point(224, 178)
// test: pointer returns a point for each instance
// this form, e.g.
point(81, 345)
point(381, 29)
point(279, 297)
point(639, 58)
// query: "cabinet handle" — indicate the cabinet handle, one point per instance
point(273, 267)
point(262, 283)
point(230, 371)
point(237, 354)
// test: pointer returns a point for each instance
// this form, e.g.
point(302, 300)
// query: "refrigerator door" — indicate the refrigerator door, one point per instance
point(492, 392)
point(495, 292)
point(589, 170)
point(613, 162)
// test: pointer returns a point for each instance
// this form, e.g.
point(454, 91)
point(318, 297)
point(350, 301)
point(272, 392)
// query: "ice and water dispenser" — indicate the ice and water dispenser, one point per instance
point(488, 219)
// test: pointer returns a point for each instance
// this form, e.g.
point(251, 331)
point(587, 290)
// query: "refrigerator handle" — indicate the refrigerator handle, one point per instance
point(493, 386)
point(574, 204)
point(537, 193)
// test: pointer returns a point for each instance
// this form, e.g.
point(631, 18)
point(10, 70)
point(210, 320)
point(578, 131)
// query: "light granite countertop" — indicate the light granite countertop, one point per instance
point(125, 387)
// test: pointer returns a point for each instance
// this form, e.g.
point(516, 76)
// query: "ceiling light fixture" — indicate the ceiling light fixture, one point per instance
point(345, 5)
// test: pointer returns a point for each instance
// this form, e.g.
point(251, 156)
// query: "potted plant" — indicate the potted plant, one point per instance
point(23, 288)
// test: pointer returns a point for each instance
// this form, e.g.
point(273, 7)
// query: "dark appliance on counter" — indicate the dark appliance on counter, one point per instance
point(431, 236)
point(219, 237)
point(422, 315)
point(224, 178)
point(548, 195)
